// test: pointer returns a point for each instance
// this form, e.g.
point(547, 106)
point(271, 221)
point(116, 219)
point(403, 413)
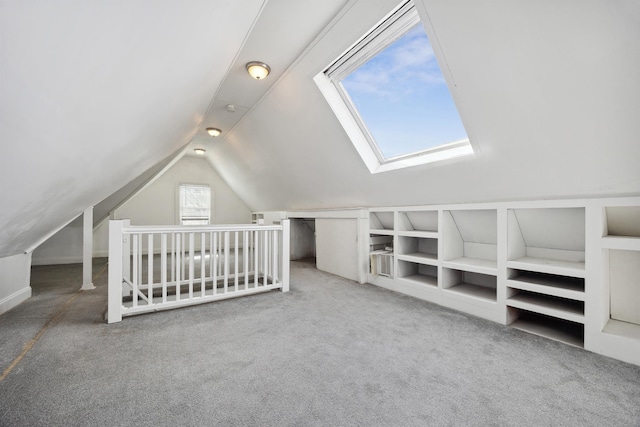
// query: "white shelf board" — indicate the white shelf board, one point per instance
point(553, 266)
point(382, 231)
point(622, 243)
point(622, 329)
point(548, 331)
point(423, 234)
point(420, 258)
point(473, 265)
point(422, 280)
point(546, 306)
point(558, 290)
point(475, 291)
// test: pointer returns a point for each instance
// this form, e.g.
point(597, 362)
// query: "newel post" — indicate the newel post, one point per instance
point(284, 244)
point(114, 311)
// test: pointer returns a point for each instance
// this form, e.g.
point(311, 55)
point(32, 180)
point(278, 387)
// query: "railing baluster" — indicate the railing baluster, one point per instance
point(214, 260)
point(184, 250)
point(203, 259)
point(191, 266)
point(245, 258)
point(274, 256)
point(226, 261)
point(173, 256)
point(134, 293)
point(178, 262)
point(236, 274)
point(163, 266)
point(265, 262)
point(255, 260)
point(150, 267)
point(212, 257)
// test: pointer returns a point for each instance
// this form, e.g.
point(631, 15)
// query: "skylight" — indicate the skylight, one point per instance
point(393, 99)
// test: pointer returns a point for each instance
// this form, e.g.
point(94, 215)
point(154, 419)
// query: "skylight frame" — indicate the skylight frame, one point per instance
point(392, 27)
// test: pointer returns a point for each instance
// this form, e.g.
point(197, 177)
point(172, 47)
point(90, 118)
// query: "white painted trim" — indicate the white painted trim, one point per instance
point(14, 299)
point(57, 260)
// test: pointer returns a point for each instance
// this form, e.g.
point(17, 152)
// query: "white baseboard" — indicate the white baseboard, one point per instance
point(56, 260)
point(14, 299)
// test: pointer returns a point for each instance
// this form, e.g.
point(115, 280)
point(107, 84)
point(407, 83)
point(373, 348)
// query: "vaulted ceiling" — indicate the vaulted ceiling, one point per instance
point(95, 96)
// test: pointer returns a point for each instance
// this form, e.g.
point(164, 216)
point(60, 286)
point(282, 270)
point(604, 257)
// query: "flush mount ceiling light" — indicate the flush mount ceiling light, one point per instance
point(258, 70)
point(214, 132)
point(200, 151)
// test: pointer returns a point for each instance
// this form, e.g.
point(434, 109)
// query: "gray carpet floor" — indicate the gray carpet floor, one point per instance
point(329, 352)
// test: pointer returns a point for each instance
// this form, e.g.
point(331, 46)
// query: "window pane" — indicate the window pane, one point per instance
point(195, 204)
point(403, 98)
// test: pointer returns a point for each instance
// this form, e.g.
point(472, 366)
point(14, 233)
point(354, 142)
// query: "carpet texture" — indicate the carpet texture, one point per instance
point(329, 352)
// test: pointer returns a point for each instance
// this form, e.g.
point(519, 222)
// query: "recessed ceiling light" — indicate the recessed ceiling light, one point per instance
point(214, 131)
point(258, 70)
point(200, 151)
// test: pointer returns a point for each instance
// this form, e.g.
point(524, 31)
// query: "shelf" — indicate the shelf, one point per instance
point(382, 232)
point(548, 305)
point(555, 329)
point(475, 291)
point(622, 329)
point(475, 265)
point(622, 243)
point(423, 234)
point(422, 280)
point(545, 265)
point(430, 259)
point(549, 284)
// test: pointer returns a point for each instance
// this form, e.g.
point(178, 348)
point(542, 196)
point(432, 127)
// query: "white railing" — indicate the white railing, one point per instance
point(158, 268)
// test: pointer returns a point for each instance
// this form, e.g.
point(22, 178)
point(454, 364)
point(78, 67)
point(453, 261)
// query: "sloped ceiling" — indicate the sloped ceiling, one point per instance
point(93, 94)
point(548, 92)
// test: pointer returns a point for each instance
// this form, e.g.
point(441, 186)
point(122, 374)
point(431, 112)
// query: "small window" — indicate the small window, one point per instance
point(195, 204)
point(391, 96)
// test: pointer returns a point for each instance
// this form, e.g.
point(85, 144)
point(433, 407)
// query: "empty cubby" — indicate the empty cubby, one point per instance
point(550, 240)
point(562, 330)
point(623, 221)
point(426, 221)
point(471, 284)
point(624, 285)
point(470, 239)
point(418, 273)
point(418, 247)
point(381, 221)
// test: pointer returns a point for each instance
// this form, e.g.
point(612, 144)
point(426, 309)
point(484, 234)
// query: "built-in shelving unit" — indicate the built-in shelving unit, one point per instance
point(566, 270)
point(470, 240)
point(546, 261)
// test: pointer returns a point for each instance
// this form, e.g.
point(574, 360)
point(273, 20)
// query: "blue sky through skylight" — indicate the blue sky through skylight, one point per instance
point(403, 99)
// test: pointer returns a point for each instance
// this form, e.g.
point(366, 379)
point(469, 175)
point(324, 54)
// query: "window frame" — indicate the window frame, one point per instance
point(397, 23)
point(180, 206)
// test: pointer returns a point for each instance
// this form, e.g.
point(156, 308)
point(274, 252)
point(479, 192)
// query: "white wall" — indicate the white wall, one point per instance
point(154, 205)
point(15, 276)
point(548, 93)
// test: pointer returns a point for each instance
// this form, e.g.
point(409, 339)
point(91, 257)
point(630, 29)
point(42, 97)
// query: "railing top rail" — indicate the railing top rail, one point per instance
point(197, 228)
